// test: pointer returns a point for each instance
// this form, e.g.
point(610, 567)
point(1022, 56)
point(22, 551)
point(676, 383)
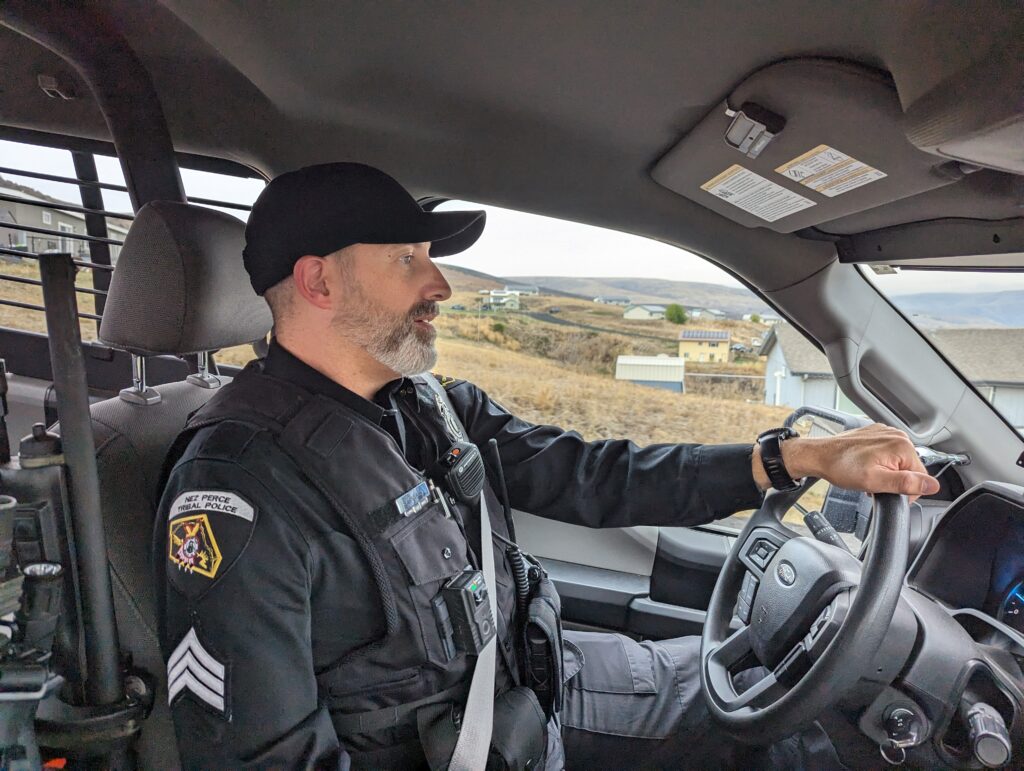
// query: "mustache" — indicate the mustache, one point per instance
point(422, 309)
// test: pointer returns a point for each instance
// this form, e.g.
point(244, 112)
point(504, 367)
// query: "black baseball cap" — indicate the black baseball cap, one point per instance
point(321, 209)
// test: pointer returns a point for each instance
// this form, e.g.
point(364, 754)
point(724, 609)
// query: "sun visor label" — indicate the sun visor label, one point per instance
point(829, 172)
point(755, 194)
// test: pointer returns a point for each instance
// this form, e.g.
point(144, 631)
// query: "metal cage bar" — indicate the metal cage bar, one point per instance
point(37, 282)
point(31, 307)
point(61, 206)
point(63, 234)
point(36, 256)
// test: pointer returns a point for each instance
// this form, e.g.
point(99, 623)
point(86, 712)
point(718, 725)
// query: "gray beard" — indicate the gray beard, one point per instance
point(393, 341)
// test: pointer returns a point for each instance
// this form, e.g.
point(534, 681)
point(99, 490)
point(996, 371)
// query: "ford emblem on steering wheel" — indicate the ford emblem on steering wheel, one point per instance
point(786, 574)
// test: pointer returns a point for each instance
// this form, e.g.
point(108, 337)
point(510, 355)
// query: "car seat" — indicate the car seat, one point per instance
point(179, 288)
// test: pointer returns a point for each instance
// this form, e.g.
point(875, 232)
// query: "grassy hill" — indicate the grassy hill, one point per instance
point(692, 294)
point(597, 406)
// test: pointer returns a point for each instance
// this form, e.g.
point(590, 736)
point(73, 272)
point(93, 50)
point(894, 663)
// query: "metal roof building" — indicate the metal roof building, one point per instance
point(655, 371)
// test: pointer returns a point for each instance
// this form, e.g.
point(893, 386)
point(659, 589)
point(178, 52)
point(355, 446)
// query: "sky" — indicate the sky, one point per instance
point(513, 243)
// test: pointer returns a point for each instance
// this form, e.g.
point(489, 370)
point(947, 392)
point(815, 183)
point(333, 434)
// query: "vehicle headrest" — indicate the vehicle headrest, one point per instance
point(180, 286)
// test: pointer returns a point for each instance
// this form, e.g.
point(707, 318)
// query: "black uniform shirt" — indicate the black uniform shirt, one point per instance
point(293, 594)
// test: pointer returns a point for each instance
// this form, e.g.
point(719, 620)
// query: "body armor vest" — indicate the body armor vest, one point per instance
point(374, 693)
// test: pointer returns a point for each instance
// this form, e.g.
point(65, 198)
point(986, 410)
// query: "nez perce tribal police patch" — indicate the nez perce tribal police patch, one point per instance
point(192, 545)
point(206, 532)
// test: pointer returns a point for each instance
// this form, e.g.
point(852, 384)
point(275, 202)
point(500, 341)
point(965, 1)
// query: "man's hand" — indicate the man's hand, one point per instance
point(875, 459)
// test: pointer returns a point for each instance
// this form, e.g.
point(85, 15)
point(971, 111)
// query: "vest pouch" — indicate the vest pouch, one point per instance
point(432, 549)
point(518, 739)
point(542, 646)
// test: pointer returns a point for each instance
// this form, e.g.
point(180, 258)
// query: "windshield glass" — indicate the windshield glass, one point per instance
point(975, 318)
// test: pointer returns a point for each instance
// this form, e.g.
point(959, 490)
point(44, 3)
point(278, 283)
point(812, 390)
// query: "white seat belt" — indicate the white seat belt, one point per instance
point(474, 741)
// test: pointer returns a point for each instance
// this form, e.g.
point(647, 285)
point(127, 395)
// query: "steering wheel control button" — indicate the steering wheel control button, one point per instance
point(749, 589)
point(786, 573)
point(745, 600)
point(761, 552)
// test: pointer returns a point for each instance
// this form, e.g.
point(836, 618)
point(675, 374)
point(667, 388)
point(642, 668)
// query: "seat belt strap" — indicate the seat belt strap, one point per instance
point(474, 743)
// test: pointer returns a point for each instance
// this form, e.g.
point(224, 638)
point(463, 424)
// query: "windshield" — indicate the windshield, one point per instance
point(975, 318)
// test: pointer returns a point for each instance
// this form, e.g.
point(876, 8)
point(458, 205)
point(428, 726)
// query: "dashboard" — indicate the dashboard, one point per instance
point(974, 558)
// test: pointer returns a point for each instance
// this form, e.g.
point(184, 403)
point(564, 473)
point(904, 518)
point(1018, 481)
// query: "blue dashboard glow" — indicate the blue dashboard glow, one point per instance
point(1012, 611)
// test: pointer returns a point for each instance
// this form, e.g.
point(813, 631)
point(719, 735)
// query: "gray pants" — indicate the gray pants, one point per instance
point(637, 705)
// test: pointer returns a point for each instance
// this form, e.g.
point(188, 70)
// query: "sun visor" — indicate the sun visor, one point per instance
point(800, 143)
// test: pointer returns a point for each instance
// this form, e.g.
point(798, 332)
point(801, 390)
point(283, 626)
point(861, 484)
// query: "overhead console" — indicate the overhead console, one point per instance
point(832, 144)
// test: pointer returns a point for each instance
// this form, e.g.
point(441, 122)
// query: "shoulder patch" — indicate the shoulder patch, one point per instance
point(207, 530)
point(447, 382)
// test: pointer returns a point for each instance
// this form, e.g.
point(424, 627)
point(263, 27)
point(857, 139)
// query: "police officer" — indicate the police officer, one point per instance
point(304, 538)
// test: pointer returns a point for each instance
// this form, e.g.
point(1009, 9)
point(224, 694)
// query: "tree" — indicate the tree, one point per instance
point(755, 317)
point(675, 313)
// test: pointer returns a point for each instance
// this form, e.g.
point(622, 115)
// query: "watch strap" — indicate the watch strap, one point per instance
point(770, 442)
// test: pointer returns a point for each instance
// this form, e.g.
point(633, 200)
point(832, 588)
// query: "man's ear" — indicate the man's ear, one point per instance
point(310, 275)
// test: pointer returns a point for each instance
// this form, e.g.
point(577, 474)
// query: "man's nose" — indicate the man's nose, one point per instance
point(439, 289)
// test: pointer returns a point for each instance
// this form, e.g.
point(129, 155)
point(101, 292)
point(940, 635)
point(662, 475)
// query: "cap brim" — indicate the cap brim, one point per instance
point(451, 232)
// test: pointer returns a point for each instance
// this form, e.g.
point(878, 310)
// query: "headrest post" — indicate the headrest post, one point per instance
point(203, 378)
point(139, 393)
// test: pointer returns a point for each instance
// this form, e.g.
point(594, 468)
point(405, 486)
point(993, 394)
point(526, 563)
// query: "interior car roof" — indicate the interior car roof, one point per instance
point(561, 109)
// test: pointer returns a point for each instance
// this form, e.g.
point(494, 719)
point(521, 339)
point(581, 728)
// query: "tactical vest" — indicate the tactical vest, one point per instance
point(360, 470)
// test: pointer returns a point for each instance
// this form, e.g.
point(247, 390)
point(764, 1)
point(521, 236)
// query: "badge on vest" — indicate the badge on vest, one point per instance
point(405, 505)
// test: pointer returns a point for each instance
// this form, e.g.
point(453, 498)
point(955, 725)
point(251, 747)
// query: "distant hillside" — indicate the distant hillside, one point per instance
point(963, 309)
point(654, 290)
point(466, 280)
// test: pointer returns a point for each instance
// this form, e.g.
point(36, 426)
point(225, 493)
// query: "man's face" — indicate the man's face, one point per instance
point(389, 296)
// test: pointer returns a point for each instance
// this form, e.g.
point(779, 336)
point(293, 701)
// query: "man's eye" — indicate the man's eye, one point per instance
point(405, 259)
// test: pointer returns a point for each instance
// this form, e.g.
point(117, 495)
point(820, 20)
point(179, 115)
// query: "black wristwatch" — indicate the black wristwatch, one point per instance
point(770, 442)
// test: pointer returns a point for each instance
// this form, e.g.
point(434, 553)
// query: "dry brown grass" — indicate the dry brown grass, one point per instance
point(35, 321)
point(597, 406)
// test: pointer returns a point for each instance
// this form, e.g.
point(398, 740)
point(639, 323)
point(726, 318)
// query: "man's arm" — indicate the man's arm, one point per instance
point(234, 593)
point(611, 483)
point(875, 458)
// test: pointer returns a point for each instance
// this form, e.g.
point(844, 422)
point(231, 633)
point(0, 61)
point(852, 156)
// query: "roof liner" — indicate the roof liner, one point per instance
point(556, 110)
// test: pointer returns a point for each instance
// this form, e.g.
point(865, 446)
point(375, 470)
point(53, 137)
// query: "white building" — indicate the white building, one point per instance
point(644, 312)
point(606, 300)
point(667, 372)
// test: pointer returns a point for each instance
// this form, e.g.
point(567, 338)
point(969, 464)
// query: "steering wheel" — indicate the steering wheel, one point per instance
point(810, 613)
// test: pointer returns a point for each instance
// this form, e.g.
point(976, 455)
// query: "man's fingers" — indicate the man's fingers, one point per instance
point(912, 483)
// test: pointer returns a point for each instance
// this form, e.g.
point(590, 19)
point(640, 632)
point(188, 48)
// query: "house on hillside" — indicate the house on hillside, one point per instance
point(710, 345)
point(19, 218)
point(655, 371)
point(644, 312)
point(606, 300)
point(503, 299)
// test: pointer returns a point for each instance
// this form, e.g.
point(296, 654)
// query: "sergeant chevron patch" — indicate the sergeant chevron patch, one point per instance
point(193, 668)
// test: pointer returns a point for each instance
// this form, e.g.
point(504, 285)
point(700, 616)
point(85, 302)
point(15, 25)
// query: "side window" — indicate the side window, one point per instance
point(41, 208)
point(690, 369)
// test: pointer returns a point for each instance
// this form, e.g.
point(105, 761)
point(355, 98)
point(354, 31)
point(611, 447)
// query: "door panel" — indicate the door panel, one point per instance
point(624, 549)
point(648, 581)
